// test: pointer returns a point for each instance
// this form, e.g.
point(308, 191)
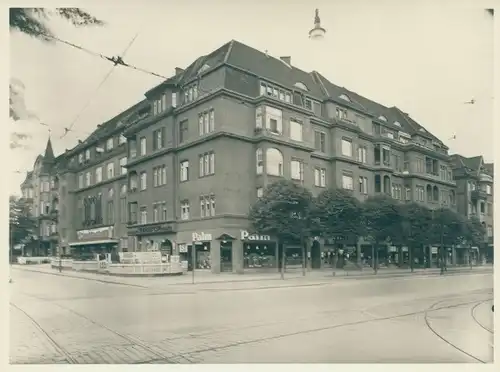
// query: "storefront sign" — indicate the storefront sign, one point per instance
point(245, 235)
point(201, 237)
point(152, 229)
point(95, 234)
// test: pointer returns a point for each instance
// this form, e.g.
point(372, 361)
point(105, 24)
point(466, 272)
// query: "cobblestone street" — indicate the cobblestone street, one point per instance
point(61, 319)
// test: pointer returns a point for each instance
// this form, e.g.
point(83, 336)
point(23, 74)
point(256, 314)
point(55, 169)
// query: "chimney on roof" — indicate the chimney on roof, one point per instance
point(178, 70)
point(287, 60)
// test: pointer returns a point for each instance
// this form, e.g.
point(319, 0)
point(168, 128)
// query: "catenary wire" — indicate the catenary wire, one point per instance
point(67, 129)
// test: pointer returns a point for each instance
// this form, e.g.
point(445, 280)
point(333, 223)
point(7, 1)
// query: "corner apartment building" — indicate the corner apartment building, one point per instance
point(40, 190)
point(474, 180)
point(205, 143)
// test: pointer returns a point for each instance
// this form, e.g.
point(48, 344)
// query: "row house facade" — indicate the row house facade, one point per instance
point(40, 191)
point(182, 168)
point(475, 195)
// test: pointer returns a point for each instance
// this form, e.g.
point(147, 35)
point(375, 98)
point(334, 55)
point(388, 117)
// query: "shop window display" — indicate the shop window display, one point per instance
point(259, 256)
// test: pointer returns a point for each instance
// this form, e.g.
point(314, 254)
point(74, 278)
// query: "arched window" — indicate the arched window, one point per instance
point(435, 193)
point(259, 161)
point(110, 193)
point(274, 162)
point(382, 117)
point(123, 189)
point(301, 86)
point(345, 98)
point(133, 181)
point(397, 123)
point(428, 190)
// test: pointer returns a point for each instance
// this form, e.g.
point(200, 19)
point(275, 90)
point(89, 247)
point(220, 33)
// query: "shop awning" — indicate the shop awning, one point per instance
point(94, 242)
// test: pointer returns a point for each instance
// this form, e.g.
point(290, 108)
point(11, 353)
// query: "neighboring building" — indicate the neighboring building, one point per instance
point(39, 189)
point(474, 181)
point(205, 143)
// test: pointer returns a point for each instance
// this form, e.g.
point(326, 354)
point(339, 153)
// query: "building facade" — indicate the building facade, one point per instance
point(185, 165)
point(474, 180)
point(40, 190)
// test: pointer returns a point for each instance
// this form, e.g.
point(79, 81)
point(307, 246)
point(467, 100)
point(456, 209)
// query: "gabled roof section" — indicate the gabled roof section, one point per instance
point(489, 168)
point(474, 163)
point(272, 69)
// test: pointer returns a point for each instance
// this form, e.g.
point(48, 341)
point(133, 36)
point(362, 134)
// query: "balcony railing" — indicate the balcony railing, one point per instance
point(478, 194)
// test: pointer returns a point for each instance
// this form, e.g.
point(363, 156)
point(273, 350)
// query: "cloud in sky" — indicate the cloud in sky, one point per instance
point(423, 57)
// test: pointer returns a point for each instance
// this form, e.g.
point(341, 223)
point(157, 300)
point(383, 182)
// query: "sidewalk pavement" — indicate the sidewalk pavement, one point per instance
point(207, 281)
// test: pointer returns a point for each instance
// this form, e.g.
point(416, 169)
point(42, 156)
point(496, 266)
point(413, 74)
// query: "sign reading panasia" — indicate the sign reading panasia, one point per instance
point(94, 234)
point(245, 235)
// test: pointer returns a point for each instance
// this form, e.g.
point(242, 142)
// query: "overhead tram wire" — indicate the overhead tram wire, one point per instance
point(119, 58)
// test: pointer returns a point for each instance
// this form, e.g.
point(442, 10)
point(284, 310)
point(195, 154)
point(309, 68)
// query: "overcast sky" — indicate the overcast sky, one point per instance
point(426, 57)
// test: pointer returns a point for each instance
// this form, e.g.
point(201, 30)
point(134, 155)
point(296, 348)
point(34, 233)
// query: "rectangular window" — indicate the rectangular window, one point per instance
point(163, 211)
point(183, 130)
point(319, 141)
point(143, 146)
point(80, 180)
point(362, 154)
point(174, 99)
point(156, 212)
point(80, 158)
point(295, 130)
point(184, 171)
point(490, 231)
point(185, 210)
point(408, 193)
point(206, 122)
point(87, 154)
point(260, 192)
point(259, 161)
point(158, 139)
point(123, 164)
point(490, 209)
point(156, 170)
point(132, 212)
point(88, 179)
point(144, 215)
point(488, 189)
point(207, 164)
point(111, 212)
point(420, 193)
point(347, 182)
point(274, 120)
point(341, 113)
point(123, 210)
point(207, 206)
point(297, 170)
point(163, 175)
point(111, 170)
point(98, 175)
point(363, 185)
point(346, 147)
point(320, 177)
point(132, 149)
point(109, 144)
point(396, 191)
point(144, 180)
point(122, 139)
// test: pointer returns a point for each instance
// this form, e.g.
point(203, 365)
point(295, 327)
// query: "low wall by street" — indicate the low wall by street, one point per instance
point(136, 269)
point(32, 260)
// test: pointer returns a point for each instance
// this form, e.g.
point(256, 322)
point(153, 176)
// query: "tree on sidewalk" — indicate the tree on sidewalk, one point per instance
point(336, 212)
point(447, 229)
point(474, 232)
point(284, 212)
point(415, 224)
point(22, 225)
point(381, 219)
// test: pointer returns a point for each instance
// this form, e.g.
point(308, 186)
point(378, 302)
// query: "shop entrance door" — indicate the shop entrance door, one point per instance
point(226, 257)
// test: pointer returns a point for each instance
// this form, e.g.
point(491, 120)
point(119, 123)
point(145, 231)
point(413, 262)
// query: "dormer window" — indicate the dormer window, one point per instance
point(205, 67)
point(300, 86)
point(345, 98)
point(87, 154)
point(422, 130)
point(382, 117)
point(122, 139)
point(397, 123)
point(80, 158)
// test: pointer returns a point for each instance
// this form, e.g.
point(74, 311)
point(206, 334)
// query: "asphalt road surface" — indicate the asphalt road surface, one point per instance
point(55, 319)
